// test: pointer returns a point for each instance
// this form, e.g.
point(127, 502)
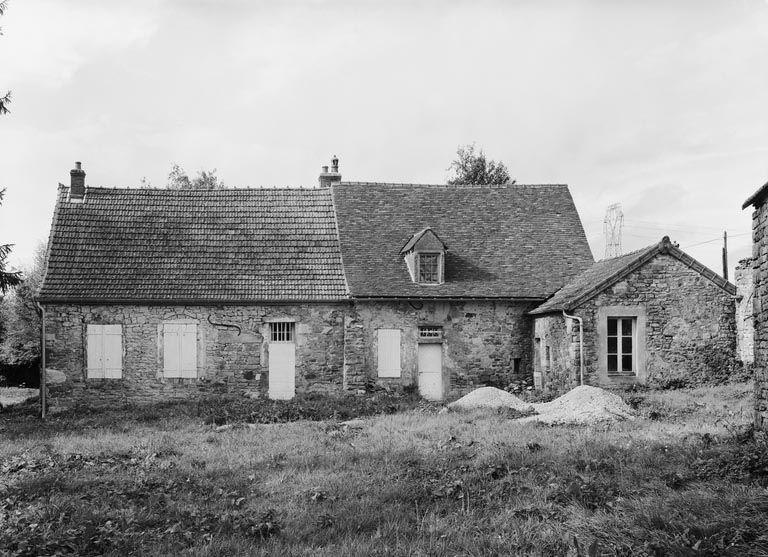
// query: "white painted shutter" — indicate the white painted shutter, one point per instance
point(189, 350)
point(180, 350)
point(105, 351)
point(171, 350)
point(113, 351)
point(389, 352)
point(95, 352)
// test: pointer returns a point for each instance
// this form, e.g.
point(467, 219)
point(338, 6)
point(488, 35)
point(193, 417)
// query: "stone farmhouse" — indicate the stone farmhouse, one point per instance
point(155, 293)
point(760, 300)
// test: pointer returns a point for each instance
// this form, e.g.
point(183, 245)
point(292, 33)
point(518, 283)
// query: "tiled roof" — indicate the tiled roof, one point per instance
point(607, 272)
point(756, 198)
point(510, 241)
point(194, 245)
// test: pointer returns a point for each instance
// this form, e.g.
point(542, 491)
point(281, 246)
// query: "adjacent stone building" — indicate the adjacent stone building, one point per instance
point(760, 300)
point(152, 294)
point(655, 316)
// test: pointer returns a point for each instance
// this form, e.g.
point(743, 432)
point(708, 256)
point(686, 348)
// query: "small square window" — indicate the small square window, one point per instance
point(282, 331)
point(430, 331)
point(429, 267)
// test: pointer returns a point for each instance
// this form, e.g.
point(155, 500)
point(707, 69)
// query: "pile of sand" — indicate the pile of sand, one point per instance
point(582, 405)
point(489, 397)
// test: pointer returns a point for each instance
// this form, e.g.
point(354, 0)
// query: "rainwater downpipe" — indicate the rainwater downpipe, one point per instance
point(42, 360)
point(581, 345)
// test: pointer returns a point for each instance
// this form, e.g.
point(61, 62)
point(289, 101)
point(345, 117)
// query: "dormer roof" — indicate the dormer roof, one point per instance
point(424, 240)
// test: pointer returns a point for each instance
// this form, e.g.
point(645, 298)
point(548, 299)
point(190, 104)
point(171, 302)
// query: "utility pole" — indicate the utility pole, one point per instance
point(725, 254)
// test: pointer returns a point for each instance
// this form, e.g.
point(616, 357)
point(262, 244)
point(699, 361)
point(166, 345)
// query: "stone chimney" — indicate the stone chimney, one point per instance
point(328, 178)
point(77, 184)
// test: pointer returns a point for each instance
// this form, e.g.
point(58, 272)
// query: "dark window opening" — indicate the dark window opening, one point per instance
point(516, 365)
point(282, 331)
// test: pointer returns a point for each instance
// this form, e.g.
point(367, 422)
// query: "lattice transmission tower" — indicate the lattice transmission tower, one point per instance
point(612, 225)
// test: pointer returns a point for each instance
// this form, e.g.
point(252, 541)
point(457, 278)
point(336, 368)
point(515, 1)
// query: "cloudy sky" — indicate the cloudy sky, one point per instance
point(660, 106)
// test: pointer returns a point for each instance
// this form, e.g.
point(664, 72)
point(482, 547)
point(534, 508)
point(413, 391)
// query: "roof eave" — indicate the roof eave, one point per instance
point(185, 301)
point(756, 197)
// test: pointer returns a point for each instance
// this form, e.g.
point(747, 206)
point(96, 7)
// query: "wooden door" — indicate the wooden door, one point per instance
point(431, 371)
point(282, 370)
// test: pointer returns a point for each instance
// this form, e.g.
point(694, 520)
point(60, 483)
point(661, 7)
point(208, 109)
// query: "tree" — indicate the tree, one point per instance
point(178, 179)
point(472, 167)
point(5, 100)
point(18, 312)
point(7, 279)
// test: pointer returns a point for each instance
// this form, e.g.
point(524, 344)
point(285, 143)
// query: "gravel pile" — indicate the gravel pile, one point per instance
point(489, 397)
point(582, 405)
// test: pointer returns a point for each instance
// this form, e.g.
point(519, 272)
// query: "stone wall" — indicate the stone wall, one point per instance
point(559, 336)
point(336, 347)
point(760, 258)
point(228, 359)
point(745, 322)
point(481, 340)
point(688, 323)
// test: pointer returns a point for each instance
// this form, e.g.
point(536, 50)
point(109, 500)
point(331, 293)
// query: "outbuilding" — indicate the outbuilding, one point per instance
point(655, 316)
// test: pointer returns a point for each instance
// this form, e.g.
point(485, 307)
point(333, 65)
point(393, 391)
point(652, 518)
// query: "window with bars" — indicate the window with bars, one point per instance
point(430, 331)
point(282, 331)
point(429, 267)
point(621, 344)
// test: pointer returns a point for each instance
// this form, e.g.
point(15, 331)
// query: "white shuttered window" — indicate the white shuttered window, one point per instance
point(180, 350)
point(105, 351)
point(389, 352)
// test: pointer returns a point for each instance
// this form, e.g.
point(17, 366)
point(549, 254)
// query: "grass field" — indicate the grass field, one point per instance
point(686, 477)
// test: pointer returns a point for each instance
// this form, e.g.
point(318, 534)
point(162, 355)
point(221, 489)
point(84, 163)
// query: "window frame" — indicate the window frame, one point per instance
point(438, 266)
point(619, 352)
point(638, 312)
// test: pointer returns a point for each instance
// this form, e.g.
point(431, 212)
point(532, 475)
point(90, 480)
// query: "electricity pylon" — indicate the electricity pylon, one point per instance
point(612, 225)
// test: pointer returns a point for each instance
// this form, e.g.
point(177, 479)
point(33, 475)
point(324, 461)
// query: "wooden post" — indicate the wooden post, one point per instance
point(725, 254)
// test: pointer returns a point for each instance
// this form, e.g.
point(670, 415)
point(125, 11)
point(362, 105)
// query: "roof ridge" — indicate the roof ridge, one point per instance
point(414, 184)
point(213, 191)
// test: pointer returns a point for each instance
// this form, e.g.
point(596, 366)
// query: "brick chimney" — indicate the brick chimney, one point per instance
point(328, 178)
point(77, 184)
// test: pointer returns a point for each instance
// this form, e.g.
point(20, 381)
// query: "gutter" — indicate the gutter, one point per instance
point(581, 344)
point(42, 360)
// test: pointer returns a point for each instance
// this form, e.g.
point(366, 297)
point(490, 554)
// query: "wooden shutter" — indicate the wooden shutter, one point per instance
point(105, 351)
point(389, 352)
point(180, 350)
point(113, 351)
point(95, 352)
point(171, 350)
point(188, 356)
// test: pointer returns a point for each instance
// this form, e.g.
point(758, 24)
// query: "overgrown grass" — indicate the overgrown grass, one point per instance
point(686, 477)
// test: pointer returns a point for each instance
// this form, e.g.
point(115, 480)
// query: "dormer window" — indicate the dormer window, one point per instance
point(424, 255)
point(429, 268)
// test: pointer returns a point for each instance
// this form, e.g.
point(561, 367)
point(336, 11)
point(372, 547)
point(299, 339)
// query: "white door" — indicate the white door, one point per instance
point(282, 370)
point(431, 371)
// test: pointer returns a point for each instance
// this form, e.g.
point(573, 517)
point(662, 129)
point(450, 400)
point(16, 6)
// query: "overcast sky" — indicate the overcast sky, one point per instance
point(660, 106)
